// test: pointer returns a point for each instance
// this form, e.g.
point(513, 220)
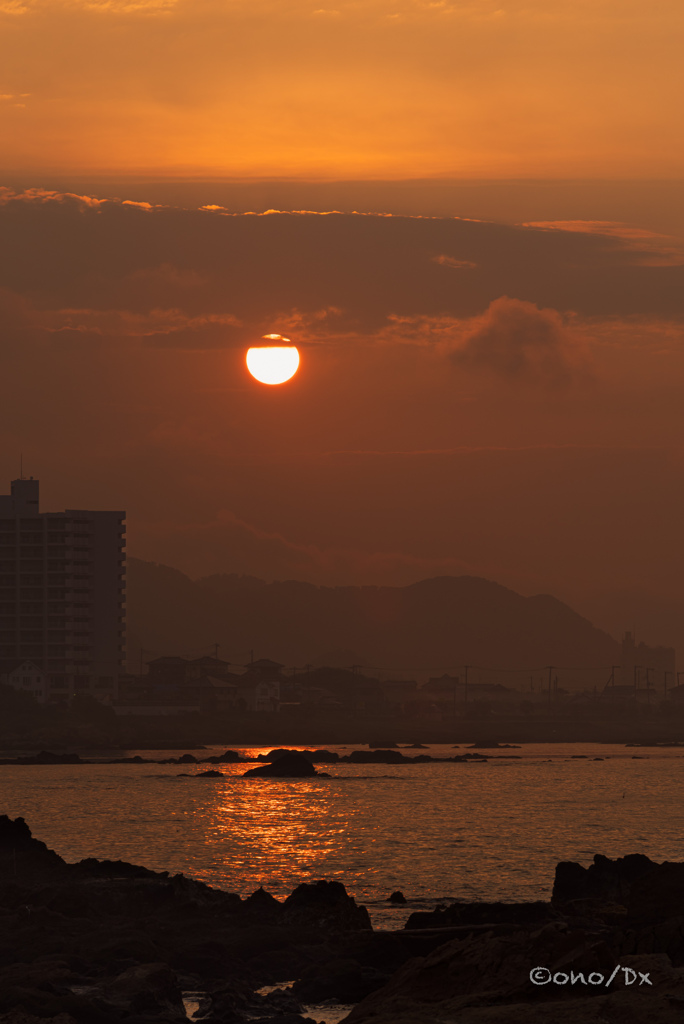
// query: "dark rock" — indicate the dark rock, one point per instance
point(322, 756)
point(230, 1000)
point(47, 757)
point(229, 757)
point(283, 1000)
point(315, 756)
point(22, 857)
point(345, 981)
point(523, 914)
point(275, 966)
point(604, 879)
point(324, 905)
point(397, 897)
point(483, 970)
point(290, 765)
point(211, 773)
point(286, 1018)
point(486, 985)
point(262, 907)
point(658, 894)
point(45, 993)
point(147, 988)
point(21, 1017)
point(377, 757)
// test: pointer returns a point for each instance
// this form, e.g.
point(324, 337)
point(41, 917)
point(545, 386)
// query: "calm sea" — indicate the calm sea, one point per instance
point(471, 831)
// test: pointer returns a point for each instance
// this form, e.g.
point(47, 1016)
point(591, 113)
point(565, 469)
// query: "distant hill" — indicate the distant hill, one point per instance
point(432, 625)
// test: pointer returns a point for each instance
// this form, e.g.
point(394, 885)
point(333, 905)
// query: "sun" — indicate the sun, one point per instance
point(273, 363)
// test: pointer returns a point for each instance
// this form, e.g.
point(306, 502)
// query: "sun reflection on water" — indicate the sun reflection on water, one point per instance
point(434, 831)
point(272, 830)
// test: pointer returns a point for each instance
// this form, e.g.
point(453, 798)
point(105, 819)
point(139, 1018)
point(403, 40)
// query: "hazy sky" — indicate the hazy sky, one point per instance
point(492, 350)
point(369, 88)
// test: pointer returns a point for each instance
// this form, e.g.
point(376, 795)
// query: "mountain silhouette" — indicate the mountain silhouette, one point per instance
point(435, 624)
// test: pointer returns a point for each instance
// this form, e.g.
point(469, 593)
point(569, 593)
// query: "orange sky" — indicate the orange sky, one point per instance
point(355, 88)
point(473, 398)
point(491, 376)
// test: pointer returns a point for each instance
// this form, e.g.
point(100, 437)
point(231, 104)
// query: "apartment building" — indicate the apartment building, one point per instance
point(62, 594)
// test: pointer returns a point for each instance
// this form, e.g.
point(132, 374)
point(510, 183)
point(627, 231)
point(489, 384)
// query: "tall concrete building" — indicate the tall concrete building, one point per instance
point(62, 594)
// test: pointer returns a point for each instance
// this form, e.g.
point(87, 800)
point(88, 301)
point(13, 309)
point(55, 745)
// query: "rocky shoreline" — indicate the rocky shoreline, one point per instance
point(374, 756)
point(106, 942)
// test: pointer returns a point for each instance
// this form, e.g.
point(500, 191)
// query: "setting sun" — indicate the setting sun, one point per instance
point(273, 363)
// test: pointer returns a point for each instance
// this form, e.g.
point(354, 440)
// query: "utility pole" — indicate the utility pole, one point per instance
point(465, 691)
point(550, 668)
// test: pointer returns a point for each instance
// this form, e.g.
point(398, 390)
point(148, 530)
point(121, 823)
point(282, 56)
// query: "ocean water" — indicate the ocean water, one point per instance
point(491, 831)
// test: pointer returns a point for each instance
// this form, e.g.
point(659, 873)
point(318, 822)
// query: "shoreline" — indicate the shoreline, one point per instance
point(102, 942)
point(392, 754)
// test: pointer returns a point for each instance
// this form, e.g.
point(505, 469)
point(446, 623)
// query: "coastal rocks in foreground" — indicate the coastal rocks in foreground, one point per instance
point(486, 980)
point(101, 942)
point(638, 887)
point(616, 927)
point(107, 942)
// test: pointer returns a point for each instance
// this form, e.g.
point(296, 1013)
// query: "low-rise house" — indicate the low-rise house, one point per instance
point(258, 694)
point(27, 677)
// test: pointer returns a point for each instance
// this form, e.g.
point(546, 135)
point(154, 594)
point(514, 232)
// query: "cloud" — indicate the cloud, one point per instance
point(449, 261)
point(13, 98)
point(159, 326)
point(651, 248)
point(517, 340)
point(35, 196)
point(103, 6)
point(200, 278)
point(127, 6)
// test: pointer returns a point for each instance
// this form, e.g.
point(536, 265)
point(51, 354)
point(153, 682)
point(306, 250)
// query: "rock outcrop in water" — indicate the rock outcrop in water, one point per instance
point(290, 765)
point(107, 942)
